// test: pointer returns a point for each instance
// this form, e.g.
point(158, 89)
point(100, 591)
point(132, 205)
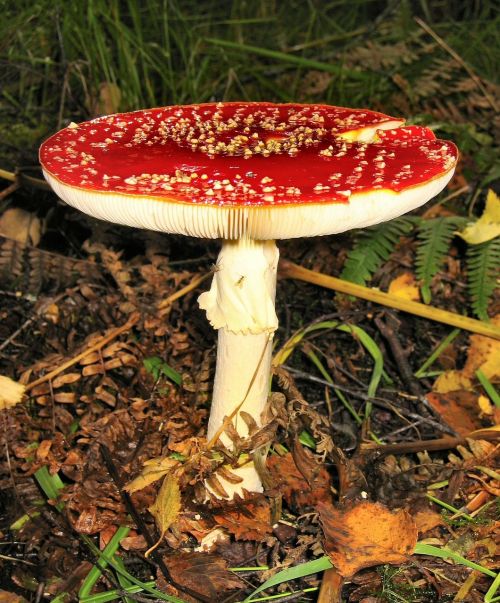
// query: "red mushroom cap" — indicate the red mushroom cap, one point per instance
point(242, 160)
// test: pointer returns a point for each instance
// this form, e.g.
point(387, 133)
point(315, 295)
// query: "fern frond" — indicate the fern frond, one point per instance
point(435, 236)
point(372, 247)
point(483, 263)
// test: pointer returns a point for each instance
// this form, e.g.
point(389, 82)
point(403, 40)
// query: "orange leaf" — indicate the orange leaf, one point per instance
point(365, 535)
point(458, 409)
point(427, 519)
point(405, 286)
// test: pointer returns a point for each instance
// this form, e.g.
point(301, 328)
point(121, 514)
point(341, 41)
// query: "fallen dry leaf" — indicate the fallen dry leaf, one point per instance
point(250, 521)
point(6, 597)
point(458, 409)
point(292, 485)
point(203, 573)
point(11, 392)
point(365, 535)
point(404, 286)
point(21, 225)
point(153, 470)
point(426, 519)
point(451, 381)
point(166, 507)
point(483, 353)
point(486, 227)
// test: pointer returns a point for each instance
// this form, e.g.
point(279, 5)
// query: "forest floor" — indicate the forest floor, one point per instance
point(118, 362)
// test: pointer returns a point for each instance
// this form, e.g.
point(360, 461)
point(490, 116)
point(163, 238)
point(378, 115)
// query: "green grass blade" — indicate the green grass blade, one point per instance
point(119, 570)
point(488, 387)
point(436, 353)
point(434, 551)
point(289, 58)
point(50, 484)
point(292, 573)
point(112, 595)
point(489, 597)
point(105, 557)
point(374, 351)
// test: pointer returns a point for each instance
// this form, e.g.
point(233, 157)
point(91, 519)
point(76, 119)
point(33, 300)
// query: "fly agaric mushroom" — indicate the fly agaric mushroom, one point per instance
point(247, 173)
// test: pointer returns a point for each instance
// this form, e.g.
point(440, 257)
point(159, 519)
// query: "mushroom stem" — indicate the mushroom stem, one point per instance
point(240, 304)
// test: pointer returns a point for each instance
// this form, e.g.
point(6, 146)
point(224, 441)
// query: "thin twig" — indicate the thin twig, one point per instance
point(164, 305)
point(133, 320)
point(28, 321)
point(389, 329)
point(459, 60)
point(9, 190)
point(429, 445)
point(15, 176)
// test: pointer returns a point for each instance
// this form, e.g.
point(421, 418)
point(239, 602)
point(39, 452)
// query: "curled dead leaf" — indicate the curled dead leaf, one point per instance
point(250, 521)
point(21, 225)
point(292, 485)
point(365, 535)
point(206, 574)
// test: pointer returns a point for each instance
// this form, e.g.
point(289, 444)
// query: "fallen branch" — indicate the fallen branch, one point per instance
point(429, 445)
point(133, 320)
point(18, 176)
point(291, 270)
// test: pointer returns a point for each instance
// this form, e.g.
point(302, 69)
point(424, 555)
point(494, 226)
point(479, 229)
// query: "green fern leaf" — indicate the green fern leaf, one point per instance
point(483, 263)
point(372, 247)
point(435, 236)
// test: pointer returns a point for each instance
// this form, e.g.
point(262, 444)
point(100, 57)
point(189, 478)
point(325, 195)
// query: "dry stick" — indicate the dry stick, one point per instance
point(291, 270)
point(459, 60)
point(388, 328)
point(430, 445)
point(197, 280)
point(9, 190)
point(15, 176)
point(133, 320)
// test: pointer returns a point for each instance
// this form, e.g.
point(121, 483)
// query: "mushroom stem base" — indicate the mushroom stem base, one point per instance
point(242, 301)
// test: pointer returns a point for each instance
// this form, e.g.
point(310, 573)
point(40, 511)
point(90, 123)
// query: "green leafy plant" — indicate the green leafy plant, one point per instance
point(159, 368)
point(482, 266)
point(373, 247)
point(434, 241)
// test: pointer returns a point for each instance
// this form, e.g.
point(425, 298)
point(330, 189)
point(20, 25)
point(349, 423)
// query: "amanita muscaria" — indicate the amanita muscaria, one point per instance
point(247, 173)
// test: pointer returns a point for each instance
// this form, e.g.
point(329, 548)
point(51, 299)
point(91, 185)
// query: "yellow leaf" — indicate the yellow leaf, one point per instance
point(404, 286)
point(486, 227)
point(153, 470)
point(451, 381)
point(485, 406)
point(11, 392)
point(166, 507)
